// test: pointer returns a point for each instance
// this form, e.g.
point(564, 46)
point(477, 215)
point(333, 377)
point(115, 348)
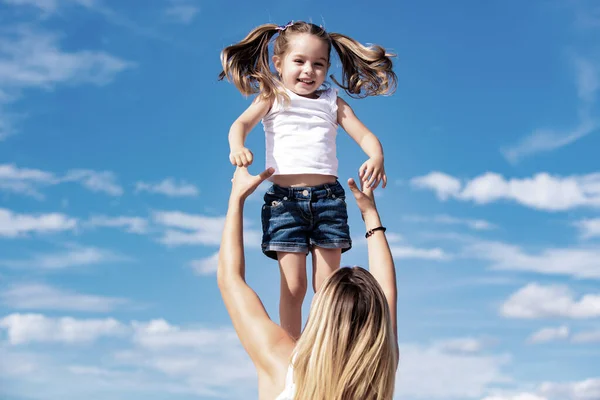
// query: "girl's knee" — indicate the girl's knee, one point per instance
point(297, 289)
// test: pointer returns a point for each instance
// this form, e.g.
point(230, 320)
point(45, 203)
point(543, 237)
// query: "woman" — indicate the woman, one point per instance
point(349, 348)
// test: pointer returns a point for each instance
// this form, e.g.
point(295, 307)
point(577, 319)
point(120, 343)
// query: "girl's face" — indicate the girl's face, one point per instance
point(303, 68)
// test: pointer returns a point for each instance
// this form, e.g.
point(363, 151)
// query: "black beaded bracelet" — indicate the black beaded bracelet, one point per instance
point(372, 231)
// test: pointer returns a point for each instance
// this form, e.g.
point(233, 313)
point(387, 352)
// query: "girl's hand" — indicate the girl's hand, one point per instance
point(243, 184)
point(372, 172)
point(364, 197)
point(241, 157)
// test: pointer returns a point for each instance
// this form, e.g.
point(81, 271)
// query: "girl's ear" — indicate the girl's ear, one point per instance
point(277, 63)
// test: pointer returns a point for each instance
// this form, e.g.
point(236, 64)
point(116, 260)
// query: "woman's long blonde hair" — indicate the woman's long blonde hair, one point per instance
point(348, 350)
point(366, 70)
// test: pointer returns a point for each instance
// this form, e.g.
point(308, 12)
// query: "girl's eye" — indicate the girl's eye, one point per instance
point(319, 64)
point(298, 61)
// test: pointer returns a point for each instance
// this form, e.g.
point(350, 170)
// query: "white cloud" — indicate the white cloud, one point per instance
point(404, 252)
point(18, 225)
point(51, 8)
point(211, 362)
point(169, 187)
point(44, 297)
point(95, 181)
point(193, 229)
point(11, 172)
point(575, 262)
point(393, 237)
point(520, 396)
point(206, 266)
point(444, 185)
point(543, 191)
point(190, 228)
point(16, 365)
point(588, 389)
point(131, 224)
point(457, 376)
point(460, 345)
point(475, 224)
point(24, 181)
point(549, 334)
point(185, 354)
point(182, 13)
point(29, 182)
point(586, 337)
point(159, 334)
point(68, 375)
point(589, 228)
point(28, 328)
point(32, 59)
point(554, 301)
point(77, 256)
point(207, 361)
point(545, 140)
point(164, 360)
point(588, 81)
point(47, 6)
point(180, 220)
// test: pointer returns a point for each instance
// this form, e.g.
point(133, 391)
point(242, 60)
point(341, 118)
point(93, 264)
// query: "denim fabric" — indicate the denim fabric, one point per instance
point(298, 218)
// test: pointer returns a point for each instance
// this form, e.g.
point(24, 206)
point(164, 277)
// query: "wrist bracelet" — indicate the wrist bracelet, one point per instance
point(372, 231)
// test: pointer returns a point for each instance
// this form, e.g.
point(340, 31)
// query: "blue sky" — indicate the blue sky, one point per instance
point(114, 177)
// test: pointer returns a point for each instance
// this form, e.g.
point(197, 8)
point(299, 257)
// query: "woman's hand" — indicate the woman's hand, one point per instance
point(243, 184)
point(364, 197)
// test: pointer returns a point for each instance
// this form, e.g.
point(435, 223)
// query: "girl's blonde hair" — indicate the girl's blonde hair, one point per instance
point(348, 349)
point(366, 71)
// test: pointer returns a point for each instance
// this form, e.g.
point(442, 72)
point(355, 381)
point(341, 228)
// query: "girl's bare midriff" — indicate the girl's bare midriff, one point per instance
point(302, 180)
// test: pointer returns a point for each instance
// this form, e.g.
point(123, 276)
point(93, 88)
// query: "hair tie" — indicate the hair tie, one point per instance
point(284, 27)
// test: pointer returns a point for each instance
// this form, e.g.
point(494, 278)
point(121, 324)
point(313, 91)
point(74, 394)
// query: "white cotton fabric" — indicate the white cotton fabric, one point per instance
point(301, 137)
point(290, 388)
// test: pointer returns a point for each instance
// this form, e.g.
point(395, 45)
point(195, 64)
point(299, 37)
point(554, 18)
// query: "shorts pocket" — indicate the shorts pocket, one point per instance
point(273, 201)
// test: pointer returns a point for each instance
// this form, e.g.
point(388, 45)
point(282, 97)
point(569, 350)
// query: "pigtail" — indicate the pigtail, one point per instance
point(246, 64)
point(366, 71)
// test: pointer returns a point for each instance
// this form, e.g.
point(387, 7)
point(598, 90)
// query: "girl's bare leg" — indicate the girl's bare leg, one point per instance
point(293, 290)
point(325, 263)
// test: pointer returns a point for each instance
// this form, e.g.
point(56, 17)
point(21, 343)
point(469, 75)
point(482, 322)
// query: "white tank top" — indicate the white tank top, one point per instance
point(290, 388)
point(300, 138)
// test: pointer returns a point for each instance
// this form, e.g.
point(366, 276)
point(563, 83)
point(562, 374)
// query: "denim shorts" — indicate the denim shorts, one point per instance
point(297, 218)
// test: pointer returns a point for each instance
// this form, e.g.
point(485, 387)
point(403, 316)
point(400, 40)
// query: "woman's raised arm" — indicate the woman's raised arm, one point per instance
point(259, 335)
point(381, 263)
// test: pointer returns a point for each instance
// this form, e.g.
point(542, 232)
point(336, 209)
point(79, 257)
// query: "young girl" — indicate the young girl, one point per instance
point(305, 208)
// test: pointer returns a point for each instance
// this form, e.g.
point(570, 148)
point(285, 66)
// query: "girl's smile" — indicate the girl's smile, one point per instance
point(303, 68)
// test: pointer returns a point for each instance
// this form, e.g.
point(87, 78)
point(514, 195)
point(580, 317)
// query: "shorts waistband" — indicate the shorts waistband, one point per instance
point(308, 192)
